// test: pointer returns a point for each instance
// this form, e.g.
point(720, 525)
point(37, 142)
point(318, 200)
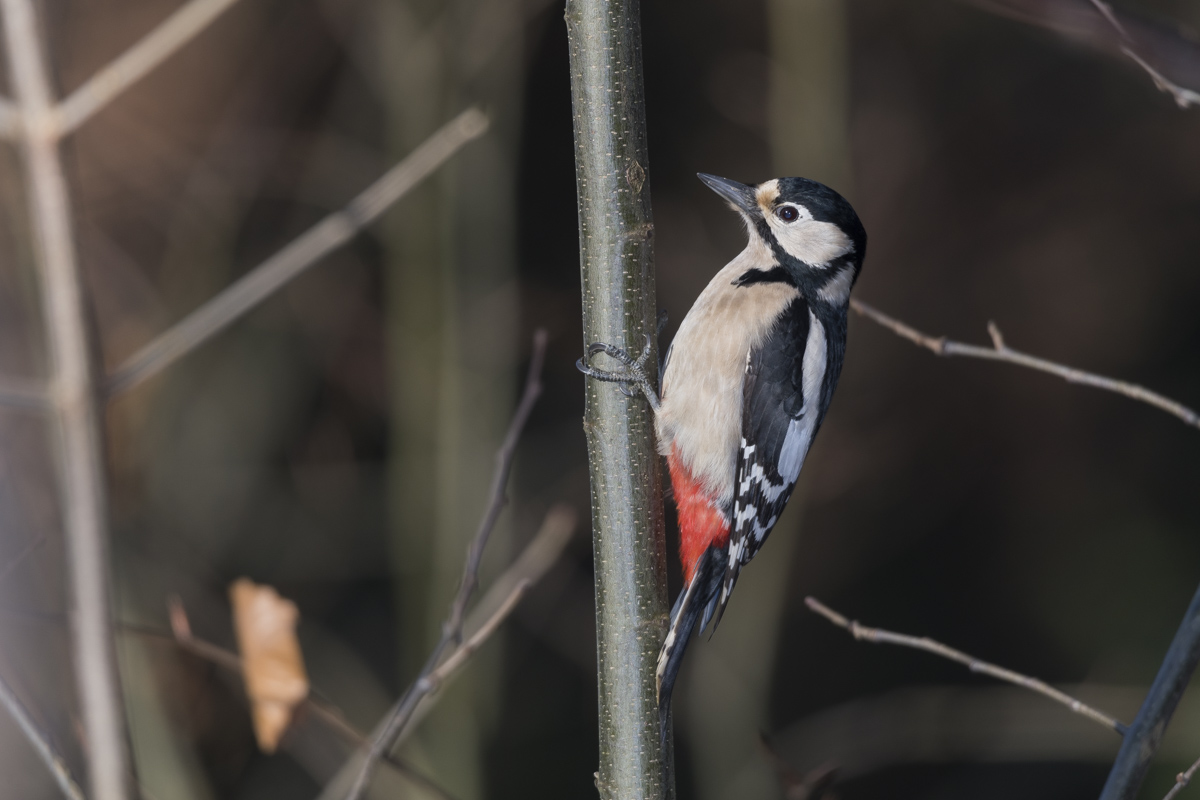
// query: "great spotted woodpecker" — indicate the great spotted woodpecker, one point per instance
point(745, 386)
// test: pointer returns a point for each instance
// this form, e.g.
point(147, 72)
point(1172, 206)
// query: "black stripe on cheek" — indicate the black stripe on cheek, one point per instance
point(773, 275)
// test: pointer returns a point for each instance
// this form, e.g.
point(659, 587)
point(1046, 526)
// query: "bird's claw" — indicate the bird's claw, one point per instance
point(634, 364)
point(632, 380)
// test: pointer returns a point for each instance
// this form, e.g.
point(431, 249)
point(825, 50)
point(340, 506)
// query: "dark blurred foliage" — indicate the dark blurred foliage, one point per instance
point(1003, 173)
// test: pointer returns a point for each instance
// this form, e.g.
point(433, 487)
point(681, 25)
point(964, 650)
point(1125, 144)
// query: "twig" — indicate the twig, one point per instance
point(459, 657)
point(529, 567)
point(402, 712)
point(10, 119)
point(542, 552)
point(53, 761)
point(332, 717)
point(1106, 11)
point(136, 62)
point(878, 636)
point(814, 785)
point(1146, 732)
point(1183, 97)
point(302, 253)
point(219, 655)
point(19, 558)
point(1001, 352)
point(941, 723)
point(23, 393)
point(75, 430)
point(181, 632)
point(1182, 780)
point(1113, 31)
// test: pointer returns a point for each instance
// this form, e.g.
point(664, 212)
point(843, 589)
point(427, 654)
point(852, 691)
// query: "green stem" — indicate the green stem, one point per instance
point(615, 234)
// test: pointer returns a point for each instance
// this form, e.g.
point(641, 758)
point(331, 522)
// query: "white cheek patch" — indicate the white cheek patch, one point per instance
point(815, 243)
point(836, 290)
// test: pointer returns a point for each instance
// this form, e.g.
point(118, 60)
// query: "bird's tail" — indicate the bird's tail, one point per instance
point(698, 597)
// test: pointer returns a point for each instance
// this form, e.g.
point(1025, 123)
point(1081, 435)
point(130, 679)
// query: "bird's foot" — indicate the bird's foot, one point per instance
point(632, 379)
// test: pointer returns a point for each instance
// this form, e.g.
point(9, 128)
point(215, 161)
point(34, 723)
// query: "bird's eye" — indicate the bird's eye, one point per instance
point(788, 213)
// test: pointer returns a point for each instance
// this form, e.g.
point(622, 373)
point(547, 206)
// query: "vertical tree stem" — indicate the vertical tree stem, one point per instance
point(615, 234)
point(75, 428)
point(1144, 735)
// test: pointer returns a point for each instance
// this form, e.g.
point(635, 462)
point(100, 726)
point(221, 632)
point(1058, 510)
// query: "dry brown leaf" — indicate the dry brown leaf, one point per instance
point(272, 665)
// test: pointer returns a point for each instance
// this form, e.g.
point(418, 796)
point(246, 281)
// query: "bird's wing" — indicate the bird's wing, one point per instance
point(782, 407)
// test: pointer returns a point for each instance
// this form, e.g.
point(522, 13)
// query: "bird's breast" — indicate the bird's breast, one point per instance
point(700, 419)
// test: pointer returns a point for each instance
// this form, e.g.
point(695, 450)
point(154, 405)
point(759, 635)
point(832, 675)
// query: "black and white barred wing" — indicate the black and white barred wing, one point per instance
point(784, 395)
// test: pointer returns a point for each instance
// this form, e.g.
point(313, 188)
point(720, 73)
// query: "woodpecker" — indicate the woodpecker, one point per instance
point(745, 387)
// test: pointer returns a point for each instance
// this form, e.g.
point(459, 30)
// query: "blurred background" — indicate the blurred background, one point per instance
point(337, 443)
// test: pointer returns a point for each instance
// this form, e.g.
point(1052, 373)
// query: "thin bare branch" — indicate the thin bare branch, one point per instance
point(331, 716)
point(41, 745)
point(497, 603)
point(1141, 40)
point(397, 719)
point(1182, 780)
point(999, 351)
point(1150, 724)
point(75, 430)
point(305, 251)
point(333, 719)
point(182, 630)
point(459, 657)
point(1183, 97)
point(136, 62)
point(534, 561)
point(878, 636)
point(10, 119)
point(24, 393)
point(814, 785)
point(537, 557)
point(542, 552)
point(24, 553)
point(1106, 11)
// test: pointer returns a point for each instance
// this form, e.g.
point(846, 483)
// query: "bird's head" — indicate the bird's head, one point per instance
point(812, 232)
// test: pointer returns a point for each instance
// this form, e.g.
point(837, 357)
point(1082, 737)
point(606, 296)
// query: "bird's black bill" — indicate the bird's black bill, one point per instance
point(739, 195)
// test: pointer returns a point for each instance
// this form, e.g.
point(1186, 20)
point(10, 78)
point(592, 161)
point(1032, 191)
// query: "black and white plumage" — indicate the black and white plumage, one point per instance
point(787, 388)
point(747, 382)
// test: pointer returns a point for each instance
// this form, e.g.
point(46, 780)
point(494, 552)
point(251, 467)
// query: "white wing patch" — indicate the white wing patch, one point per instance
point(815, 360)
